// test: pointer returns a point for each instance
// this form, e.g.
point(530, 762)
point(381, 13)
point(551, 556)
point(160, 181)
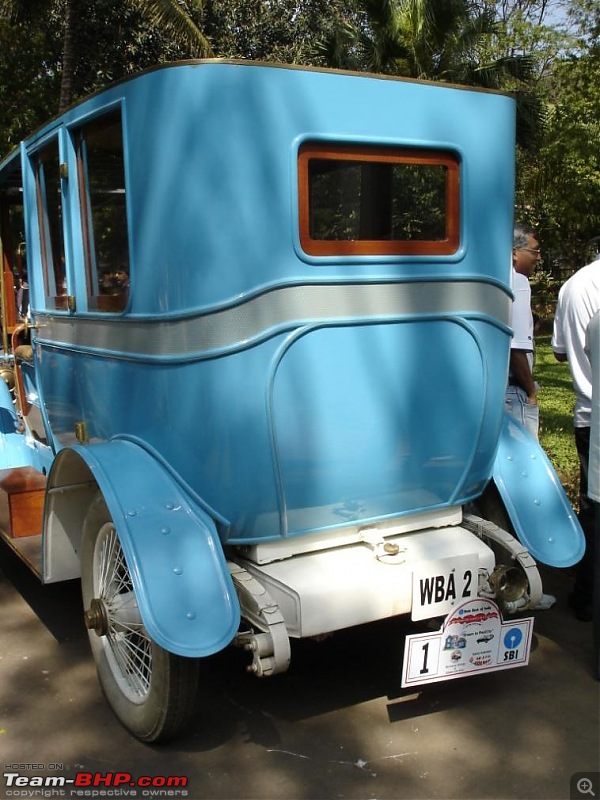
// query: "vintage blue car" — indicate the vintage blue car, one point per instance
point(257, 393)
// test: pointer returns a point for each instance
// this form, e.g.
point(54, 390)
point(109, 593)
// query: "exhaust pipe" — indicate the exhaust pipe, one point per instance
point(509, 584)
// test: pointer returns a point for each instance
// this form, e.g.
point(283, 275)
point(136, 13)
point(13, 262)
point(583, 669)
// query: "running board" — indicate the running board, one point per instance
point(28, 549)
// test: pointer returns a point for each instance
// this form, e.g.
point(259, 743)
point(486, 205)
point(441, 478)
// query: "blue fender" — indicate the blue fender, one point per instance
point(535, 500)
point(185, 594)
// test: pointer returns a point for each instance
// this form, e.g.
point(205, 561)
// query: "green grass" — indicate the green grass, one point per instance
point(556, 399)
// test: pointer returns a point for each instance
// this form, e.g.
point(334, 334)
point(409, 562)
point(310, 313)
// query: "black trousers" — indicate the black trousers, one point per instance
point(585, 574)
point(597, 598)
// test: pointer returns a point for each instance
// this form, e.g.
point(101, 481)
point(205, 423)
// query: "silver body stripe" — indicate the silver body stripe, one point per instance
point(269, 313)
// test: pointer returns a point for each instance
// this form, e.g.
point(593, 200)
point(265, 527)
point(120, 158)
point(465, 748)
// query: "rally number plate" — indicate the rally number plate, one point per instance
point(473, 639)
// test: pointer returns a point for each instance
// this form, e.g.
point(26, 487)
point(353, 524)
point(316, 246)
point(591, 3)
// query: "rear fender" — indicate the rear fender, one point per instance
point(535, 500)
point(184, 590)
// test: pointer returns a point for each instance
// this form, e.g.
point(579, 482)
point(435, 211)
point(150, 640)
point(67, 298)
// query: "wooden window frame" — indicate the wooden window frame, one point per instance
point(54, 301)
point(381, 155)
point(84, 210)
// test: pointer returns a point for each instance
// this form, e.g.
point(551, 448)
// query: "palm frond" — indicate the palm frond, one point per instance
point(532, 118)
point(174, 16)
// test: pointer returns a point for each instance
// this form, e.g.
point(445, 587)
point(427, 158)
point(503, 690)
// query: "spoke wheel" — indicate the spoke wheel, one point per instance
point(150, 690)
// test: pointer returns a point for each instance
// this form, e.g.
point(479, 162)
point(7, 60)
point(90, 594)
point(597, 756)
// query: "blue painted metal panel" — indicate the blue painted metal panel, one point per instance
point(184, 590)
point(16, 448)
point(536, 502)
point(413, 400)
point(213, 192)
point(247, 144)
point(13, 446)
point(372, 421)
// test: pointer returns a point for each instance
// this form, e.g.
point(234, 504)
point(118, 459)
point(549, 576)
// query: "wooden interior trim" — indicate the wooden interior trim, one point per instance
point(109, 302)
point(84, 210)
point(56, 301)
point(41, 215)
point(381, 155)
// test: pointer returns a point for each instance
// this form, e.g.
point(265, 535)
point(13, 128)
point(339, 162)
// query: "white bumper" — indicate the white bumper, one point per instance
point(362, 581)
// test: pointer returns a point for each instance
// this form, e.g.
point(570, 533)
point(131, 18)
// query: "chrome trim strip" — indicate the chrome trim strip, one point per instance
point(270, 313)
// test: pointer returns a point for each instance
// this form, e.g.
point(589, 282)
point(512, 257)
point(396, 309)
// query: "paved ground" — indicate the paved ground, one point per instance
point(335, 726)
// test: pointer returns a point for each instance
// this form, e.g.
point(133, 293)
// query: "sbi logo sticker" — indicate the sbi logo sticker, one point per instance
point(513, 638)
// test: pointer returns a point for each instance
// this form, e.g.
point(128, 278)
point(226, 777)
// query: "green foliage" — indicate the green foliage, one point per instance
point(556, 399)
point(559, 189)
point(178, 21)
point(288, 31)
point(29, 77)
point(113, 40)
point(418, 38)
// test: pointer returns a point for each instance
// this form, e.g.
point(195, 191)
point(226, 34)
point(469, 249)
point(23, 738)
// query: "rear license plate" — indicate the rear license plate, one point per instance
point(439, 586)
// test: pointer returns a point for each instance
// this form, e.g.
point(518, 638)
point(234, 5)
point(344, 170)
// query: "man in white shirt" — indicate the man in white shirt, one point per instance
point(578, 301)
point(521, 393)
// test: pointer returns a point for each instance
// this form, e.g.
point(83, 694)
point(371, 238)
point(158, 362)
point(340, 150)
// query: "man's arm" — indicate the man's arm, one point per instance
point(557, 343)
point(521, 374)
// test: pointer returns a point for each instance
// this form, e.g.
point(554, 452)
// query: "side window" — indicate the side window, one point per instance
point(46, 165)
point(101, 178)
point(377, 201)
point(12, 247)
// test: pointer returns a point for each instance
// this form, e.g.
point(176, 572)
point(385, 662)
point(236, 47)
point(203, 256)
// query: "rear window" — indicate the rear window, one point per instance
point(377, 201)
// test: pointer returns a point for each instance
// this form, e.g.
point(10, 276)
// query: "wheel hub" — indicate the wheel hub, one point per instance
point(96, 618)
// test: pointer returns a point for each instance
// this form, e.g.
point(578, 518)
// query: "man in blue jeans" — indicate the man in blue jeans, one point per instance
point(521, 393)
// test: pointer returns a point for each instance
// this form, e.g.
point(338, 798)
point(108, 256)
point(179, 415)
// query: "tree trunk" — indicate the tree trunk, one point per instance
point(68, 59)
